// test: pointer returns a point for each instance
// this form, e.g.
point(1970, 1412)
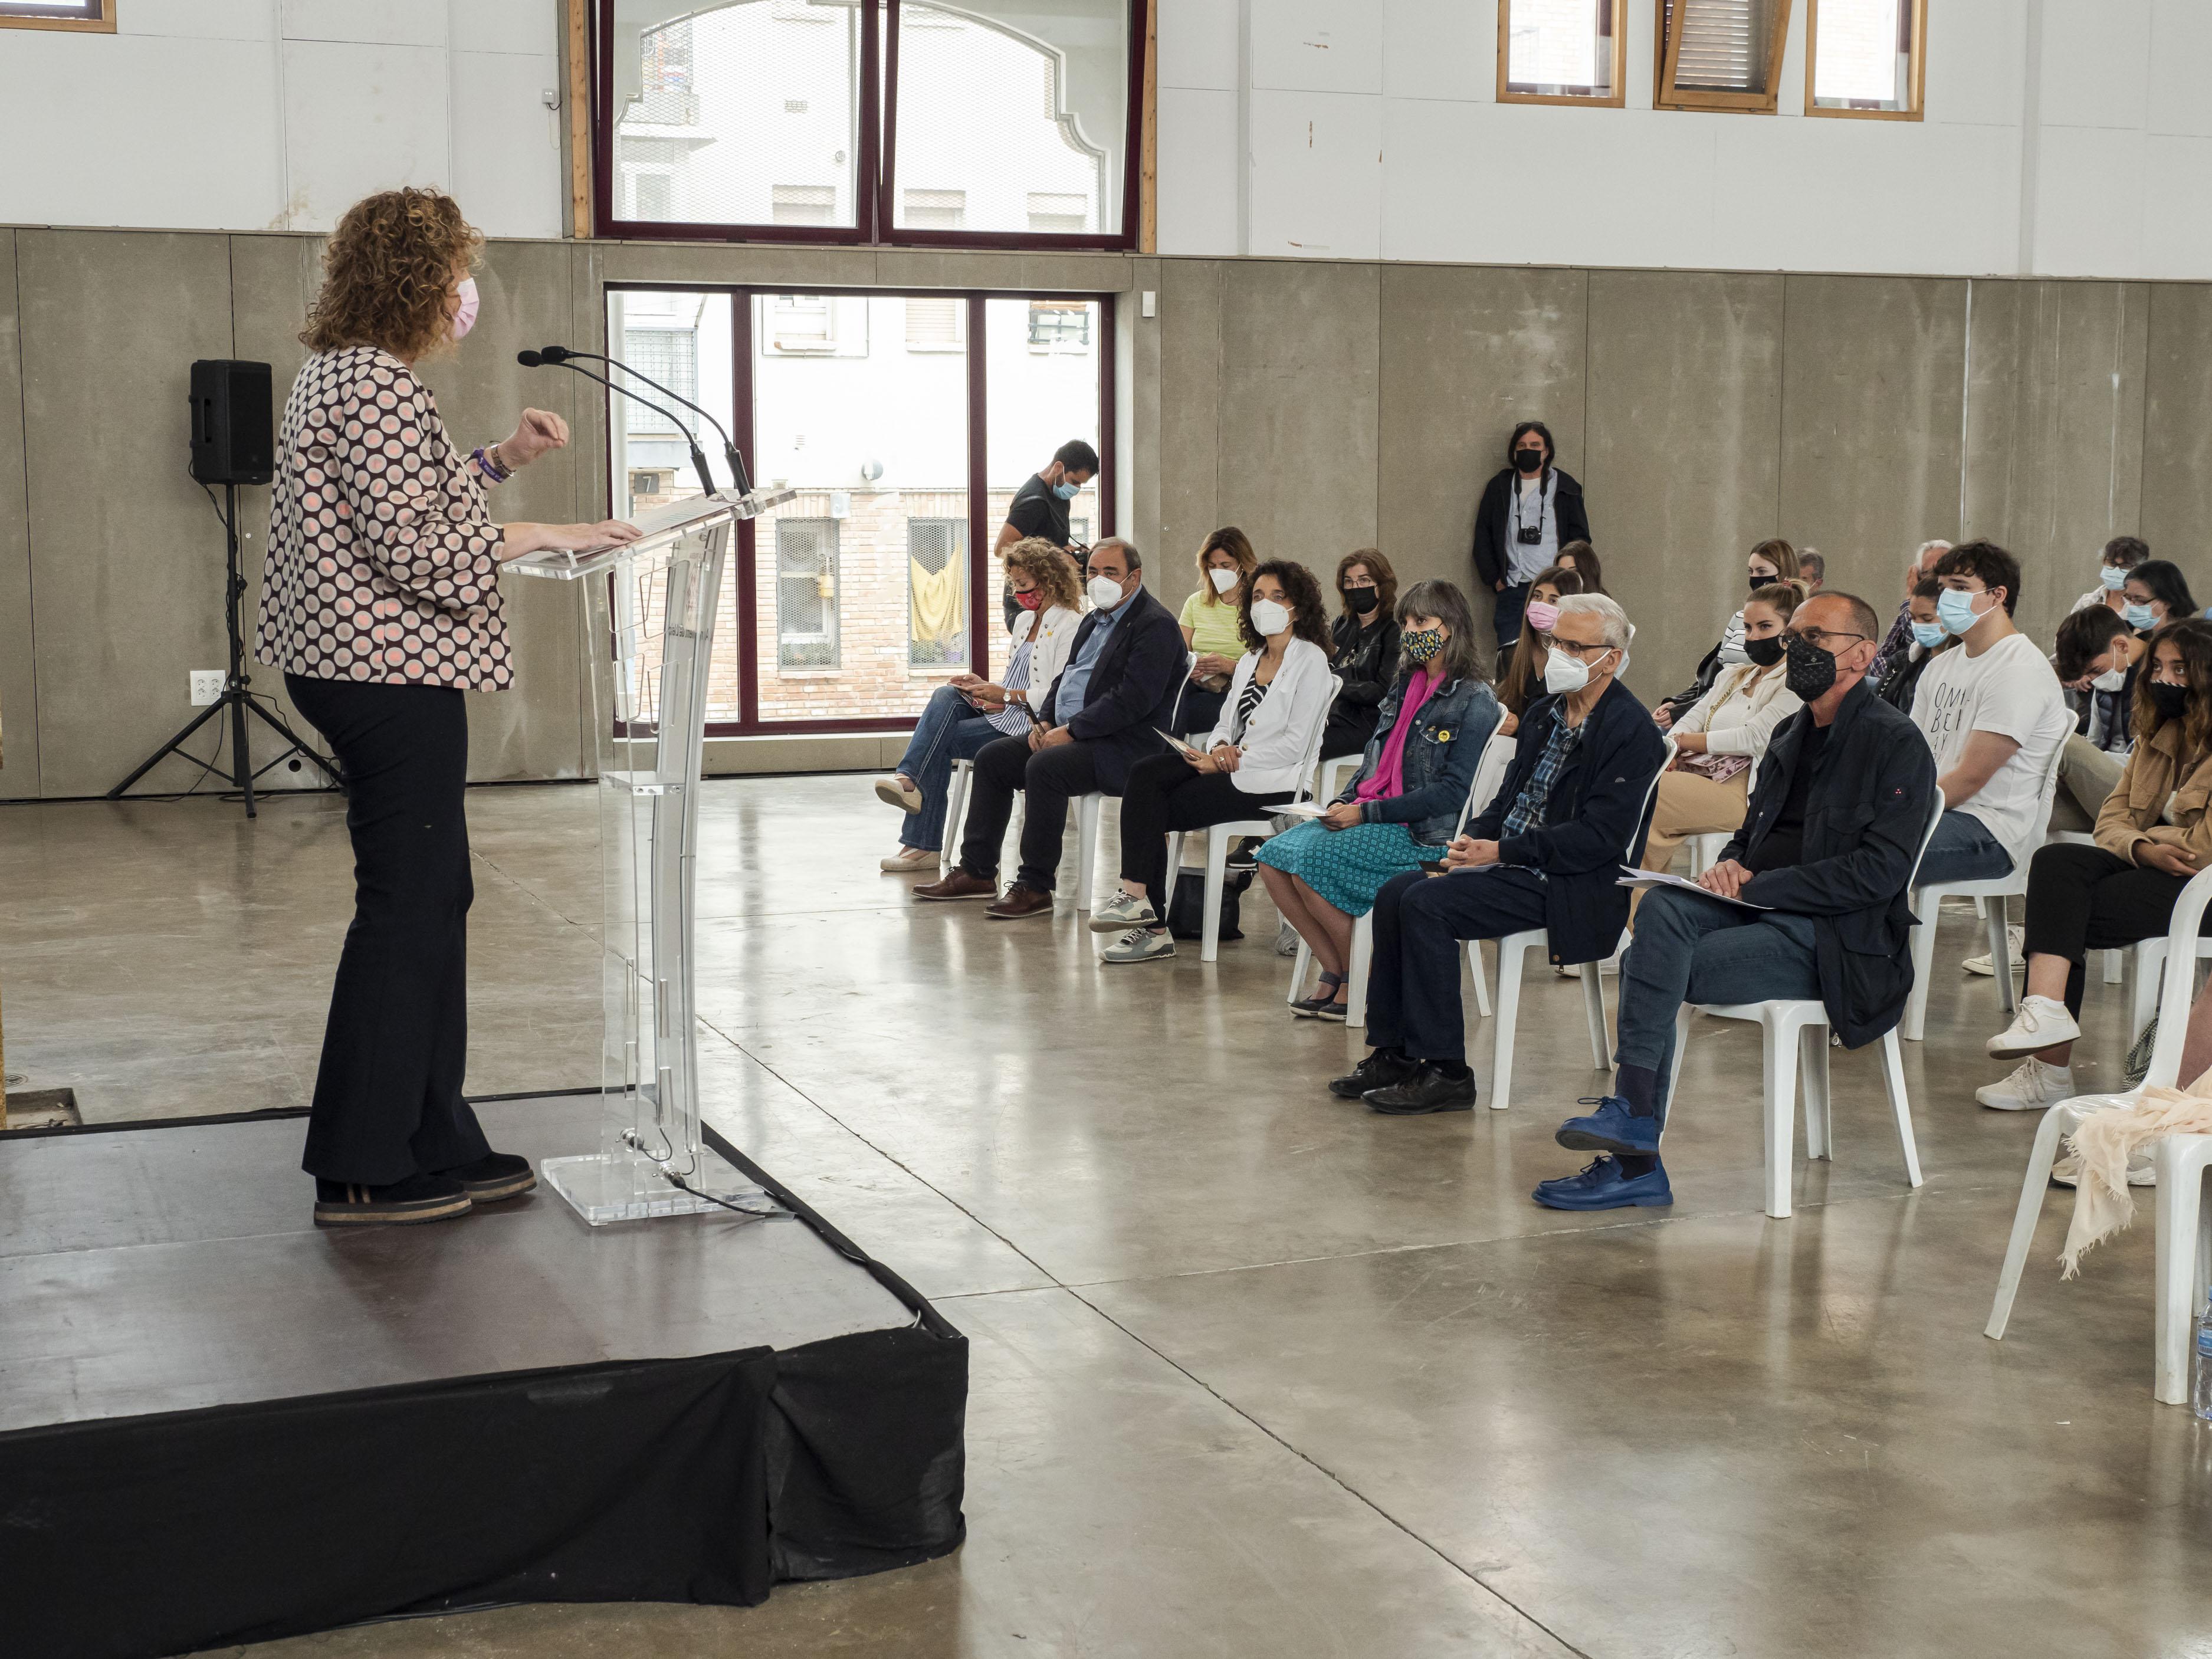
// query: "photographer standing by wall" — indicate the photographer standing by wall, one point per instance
point(1529, 511)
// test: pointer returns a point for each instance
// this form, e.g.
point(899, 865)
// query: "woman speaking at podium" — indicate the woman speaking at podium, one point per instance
point(381, 606)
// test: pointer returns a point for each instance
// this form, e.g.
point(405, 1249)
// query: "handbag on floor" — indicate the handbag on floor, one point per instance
point(1187, 909)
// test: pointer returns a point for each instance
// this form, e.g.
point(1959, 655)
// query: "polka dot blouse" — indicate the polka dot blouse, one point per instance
point(383, 563)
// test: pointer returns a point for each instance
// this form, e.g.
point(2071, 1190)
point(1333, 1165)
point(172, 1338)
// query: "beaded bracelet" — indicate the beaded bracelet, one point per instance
point(490, 468)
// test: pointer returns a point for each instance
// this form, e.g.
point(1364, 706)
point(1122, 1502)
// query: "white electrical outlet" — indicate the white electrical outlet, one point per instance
point(207, 686)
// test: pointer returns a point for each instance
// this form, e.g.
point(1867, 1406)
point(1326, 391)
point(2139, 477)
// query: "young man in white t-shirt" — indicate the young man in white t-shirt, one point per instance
point(1993, 713)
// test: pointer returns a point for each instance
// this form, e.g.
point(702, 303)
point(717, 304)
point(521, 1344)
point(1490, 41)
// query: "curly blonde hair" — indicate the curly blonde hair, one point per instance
point(1050, 568)
point(387, 271)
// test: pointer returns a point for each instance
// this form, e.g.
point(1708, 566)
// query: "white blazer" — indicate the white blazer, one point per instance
point(1738, 716)
point(1283, 726)
point(1054, 630)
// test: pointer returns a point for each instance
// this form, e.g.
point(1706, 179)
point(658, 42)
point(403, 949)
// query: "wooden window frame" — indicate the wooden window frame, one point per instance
point(1918, 77)
point(103, 24)
point(1619, 99)
point(1666, 96)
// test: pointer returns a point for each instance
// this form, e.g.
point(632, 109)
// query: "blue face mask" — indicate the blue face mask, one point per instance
point(1955, 611)
point(1929, 635)
point(1067, 492)
point(2113, 578)
point(2139, 617)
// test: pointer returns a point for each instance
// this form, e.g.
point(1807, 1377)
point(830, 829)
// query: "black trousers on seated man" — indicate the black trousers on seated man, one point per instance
point(1049, 777)
point(1419, 920)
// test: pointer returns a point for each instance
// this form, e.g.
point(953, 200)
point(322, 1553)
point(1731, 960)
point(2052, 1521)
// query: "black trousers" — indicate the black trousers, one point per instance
point(2083, 898)
point(1165, 793)
point(1200, 710)
point(1049, 777)
point(388, 1092)
point(1413, 982)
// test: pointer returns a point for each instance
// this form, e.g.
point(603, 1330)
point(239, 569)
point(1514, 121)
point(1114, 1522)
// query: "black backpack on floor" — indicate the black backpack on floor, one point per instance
point(1187, 909)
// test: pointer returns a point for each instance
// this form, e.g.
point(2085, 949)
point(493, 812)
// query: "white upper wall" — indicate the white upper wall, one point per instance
point(279, 114)
point(1370, 128)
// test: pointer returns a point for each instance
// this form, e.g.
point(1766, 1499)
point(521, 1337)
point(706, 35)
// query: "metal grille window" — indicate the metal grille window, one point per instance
point(1720, 54)
point(670, 355)
point(937, 597)
point(1864, 57)
point(1065, 325)
point(1560, 51)
point(806, 593)
point(803, 322)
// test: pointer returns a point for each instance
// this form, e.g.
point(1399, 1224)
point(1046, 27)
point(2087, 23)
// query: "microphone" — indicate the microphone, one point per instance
point(553, 353)
point(535, 359)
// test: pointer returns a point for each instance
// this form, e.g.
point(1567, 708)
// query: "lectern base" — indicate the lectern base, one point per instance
point(603, 1188)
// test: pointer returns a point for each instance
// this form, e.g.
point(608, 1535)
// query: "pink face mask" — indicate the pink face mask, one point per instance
point(1542, 618)
point(465, 318)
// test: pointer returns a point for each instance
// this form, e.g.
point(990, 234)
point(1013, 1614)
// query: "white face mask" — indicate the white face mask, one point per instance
point(1105, 592)
point(1270, 617)
point(2110, 680)
point(1223, 580)
point(1564, 674)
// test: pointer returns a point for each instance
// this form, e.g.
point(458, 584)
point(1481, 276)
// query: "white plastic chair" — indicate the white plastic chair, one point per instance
point(1334, 770)
point(956, 814)
point(2184, 1242)
point(1928, 903)
point(1217, 836)
point(1705, 850)
point(1513, 947)
point(1793, 1033)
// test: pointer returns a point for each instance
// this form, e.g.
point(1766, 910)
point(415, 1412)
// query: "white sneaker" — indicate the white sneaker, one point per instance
point(909, 859)
point(2040, 1024)
point(1124, 910)
point(2142, 1172)
point(2015, 937)
point(2032, 1086)
point(1140, 945)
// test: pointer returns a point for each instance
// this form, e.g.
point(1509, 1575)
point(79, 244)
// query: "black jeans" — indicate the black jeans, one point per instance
point(1412, 984)
point(1166, 793)
point(1505, 618)
point(1050, 777)
point(388, 1093)
point(2083, 898)
point(1200, 710)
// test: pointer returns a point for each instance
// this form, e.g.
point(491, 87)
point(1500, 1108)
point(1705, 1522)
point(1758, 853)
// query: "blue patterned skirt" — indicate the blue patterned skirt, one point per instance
point(1347, 868)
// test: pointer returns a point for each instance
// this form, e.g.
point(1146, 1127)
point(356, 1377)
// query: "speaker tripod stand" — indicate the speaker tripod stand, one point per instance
point(238, 700)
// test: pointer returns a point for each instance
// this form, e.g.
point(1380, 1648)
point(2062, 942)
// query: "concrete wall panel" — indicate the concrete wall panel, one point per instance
point(1192, 296)
point(2177, 467)
point(19, 702)
point(1873, 387)
point(1684, 471)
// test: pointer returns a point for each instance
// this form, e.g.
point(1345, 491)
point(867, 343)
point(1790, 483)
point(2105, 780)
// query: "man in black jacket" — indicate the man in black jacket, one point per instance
point(1529, 513)
point(1547, 853)
point(1102, 714)
point(1834, 830)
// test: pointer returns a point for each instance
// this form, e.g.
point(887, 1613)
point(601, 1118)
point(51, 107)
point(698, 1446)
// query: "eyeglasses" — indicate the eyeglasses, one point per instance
point(1554, 642)
point(1820, 638)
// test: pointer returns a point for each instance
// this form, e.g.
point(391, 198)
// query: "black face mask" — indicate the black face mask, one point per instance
point(1765, 652)
point(1759, 581)
point(1528, 460)
point(1812, 672)
point(2172, 701)
point(1361, 599)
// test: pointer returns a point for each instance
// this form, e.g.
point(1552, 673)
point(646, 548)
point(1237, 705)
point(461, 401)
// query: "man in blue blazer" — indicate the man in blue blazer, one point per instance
point(1102, 714)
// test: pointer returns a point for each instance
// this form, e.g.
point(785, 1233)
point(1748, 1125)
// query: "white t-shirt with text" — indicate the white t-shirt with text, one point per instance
point(2011, 690)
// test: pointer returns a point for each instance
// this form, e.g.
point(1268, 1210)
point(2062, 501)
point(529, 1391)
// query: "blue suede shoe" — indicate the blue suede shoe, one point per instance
point(1611, 1128)
point(1602, 1187)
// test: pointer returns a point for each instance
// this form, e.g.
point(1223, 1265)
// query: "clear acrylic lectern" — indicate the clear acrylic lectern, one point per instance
point(649, 611)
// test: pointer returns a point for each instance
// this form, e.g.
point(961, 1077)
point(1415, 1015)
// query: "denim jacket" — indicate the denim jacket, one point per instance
point(1441, 754)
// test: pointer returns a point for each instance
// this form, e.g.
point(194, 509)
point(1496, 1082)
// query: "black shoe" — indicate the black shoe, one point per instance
point(1245, 855)
point(1427, 1090)
point(418, 1198)
point(1378, 1071)
point(494, 1176)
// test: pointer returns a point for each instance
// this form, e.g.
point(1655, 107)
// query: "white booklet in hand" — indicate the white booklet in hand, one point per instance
point(1180, 746)
point(1301, 809)
point(1636, 878)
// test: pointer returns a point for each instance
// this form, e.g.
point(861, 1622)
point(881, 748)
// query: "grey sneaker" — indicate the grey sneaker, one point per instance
point(1124, 910)
point(1140, 945)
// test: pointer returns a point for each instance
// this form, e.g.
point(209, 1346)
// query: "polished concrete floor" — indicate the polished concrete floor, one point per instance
point(1254, 1373)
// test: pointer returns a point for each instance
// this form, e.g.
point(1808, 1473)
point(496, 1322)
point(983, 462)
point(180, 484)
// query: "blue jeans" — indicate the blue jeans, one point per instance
point(1962, 850)
point(1505, 618)
point(1689, 948)
point(950, 729)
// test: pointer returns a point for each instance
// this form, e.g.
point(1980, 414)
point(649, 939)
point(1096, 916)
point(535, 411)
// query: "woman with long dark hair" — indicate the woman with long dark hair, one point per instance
point(382, 606)
point(1523, 680)
point(1362, 640)
point(1529, 511)
point(1770, 560)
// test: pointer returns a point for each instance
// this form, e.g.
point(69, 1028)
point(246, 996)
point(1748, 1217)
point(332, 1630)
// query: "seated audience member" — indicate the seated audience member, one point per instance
point(1521, 680)
point(1401, 807)
point(1828, 845)
point(2122, 554)
point(1769, 561)
point(1103, 715)
point(1546, 853)
point(1363, 646)
point(1898, 640)
point(2097, 659)
point(1529, 512)
point(1993, 716)
point(968, 712)
point(1812, 569)
point(1255, 758)
point(2153, 834)
point(2154, 594)
point(1902, 678)
point(1581, 558)
point(1209, 622)
point(1720, 741)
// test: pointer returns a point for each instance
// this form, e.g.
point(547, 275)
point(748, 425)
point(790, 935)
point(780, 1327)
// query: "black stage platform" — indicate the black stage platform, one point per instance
point(219, 1424)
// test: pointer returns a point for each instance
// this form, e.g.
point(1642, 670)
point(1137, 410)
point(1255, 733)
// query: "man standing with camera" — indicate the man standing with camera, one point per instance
point(1529, 511)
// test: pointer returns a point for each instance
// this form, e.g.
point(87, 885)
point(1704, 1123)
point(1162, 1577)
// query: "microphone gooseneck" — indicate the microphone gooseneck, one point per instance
point(532, 359)
point(562, 355)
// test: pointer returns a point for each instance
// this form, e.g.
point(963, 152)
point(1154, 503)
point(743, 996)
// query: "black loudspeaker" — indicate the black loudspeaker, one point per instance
point(233, 440)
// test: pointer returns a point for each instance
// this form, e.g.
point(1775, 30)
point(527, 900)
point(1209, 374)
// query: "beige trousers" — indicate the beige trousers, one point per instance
point(2086, 775)
point(1689, 805)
